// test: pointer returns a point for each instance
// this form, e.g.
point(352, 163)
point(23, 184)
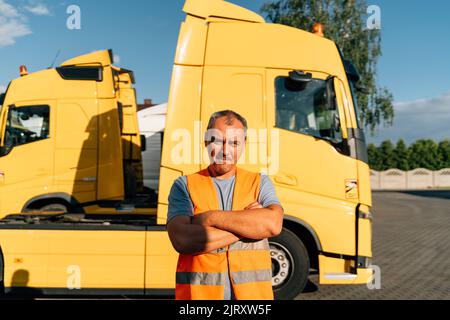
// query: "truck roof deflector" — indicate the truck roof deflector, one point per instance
point(103, 57)
point(220, 9)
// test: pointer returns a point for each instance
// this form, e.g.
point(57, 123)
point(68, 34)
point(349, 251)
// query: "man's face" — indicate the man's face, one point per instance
point(225, 143)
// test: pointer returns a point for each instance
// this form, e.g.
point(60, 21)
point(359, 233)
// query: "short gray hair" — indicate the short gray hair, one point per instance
point(231, 115)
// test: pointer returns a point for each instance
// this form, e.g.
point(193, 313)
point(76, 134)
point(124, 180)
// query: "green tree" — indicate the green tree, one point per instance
point(444, 154)
point(424, 154)
point(375, 161)
point(401, 156)
point(345, 23)
point(386, 151)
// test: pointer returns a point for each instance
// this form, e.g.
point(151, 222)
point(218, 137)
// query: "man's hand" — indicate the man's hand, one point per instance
point(254, 205)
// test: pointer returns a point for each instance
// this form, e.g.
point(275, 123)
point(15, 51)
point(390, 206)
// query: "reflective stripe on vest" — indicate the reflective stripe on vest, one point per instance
point(247, 261)
point(245, 244)
point(248, 244)
point(201, 278)
point(251, 276)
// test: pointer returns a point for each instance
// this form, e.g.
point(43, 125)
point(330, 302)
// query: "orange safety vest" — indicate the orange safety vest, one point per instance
point(247, 262)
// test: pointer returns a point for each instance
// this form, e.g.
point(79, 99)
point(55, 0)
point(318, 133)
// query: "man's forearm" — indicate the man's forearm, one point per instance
point(253, 224)
point(202, 239)
point(216, 239)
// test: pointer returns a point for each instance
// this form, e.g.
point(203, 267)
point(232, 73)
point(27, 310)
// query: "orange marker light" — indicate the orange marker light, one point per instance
point(23, 71)
point(319, 29)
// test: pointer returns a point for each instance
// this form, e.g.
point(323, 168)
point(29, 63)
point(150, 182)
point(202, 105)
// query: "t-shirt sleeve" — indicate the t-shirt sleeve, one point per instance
point(180, 203)
point(267, 195)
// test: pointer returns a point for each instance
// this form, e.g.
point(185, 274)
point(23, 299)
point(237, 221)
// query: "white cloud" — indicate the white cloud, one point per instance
point(12, 24)
point(116, 59)
point(420, 119)
point(13, 21)
point(2, 88)
point(8, 10)
point(38, 9)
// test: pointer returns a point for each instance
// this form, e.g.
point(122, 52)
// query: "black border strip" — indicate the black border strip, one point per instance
point(111, 292)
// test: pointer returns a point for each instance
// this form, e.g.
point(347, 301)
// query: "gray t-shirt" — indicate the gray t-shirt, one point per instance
point(180, 203)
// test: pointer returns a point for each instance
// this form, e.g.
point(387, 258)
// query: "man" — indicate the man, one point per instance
point(219, 220)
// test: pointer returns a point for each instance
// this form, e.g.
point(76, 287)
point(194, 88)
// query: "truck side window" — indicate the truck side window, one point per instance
point(27, 124)
point(309, 110)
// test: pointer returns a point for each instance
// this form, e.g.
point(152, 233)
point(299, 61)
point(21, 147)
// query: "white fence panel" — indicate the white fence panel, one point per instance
point(375, 179)
point(420, 179)
point(395, 179)
point(442, 178)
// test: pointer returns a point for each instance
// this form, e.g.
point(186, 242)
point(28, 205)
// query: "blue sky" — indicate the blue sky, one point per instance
point(414, 66)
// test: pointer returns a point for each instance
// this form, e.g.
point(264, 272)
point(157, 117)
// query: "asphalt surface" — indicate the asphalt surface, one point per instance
point(411, 245)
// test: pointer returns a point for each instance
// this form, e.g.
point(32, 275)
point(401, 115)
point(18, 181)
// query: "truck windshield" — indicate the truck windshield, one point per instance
point(311, 110)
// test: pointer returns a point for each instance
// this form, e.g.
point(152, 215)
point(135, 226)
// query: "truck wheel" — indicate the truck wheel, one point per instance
point(290, 265)
point(54, 207)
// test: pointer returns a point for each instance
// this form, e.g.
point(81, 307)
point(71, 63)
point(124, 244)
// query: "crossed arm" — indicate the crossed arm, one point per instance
point(212, 230)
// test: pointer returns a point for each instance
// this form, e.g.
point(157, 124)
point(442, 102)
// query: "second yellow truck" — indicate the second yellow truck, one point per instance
point(70, 143)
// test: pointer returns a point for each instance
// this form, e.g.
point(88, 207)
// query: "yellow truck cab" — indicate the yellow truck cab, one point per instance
point(70, 140)
point(296, 91)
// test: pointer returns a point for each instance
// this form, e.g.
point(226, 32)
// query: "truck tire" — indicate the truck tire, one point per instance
point(290, 265)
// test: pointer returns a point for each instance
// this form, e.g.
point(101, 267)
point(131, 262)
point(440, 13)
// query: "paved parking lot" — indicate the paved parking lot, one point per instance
point(411, 245)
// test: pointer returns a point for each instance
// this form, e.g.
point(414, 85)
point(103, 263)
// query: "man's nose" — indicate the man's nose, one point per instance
point(224, 147)
point(227, 149)
point(223, 151)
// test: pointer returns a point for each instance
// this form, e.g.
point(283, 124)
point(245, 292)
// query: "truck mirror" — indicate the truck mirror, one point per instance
point(325, 98)
point(320, 98)
point(143, 143)
point(336, 123)
point(298, 80)
point(331, 95)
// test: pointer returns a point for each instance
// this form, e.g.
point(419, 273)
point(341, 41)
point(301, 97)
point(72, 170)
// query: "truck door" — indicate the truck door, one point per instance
point(76, 149)
point(241, 90)
point(315, 179)
point(26, 158)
